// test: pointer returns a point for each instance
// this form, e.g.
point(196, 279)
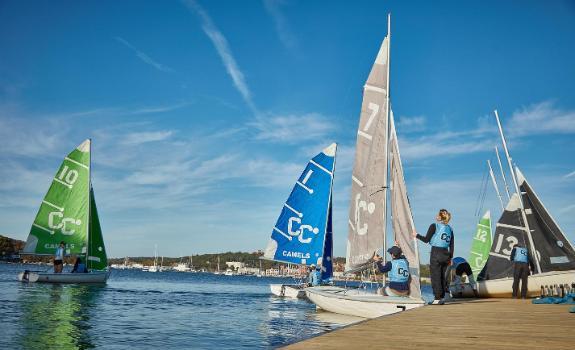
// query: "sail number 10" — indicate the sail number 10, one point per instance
point(68, 176)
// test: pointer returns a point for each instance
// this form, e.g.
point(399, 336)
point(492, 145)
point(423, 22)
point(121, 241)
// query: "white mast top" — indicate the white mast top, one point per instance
point(517, 190)
point(495, 184)
point(386, 179)
point(502, 173)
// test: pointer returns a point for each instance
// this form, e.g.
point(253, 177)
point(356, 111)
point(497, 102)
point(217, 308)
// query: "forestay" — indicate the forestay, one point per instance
point(63, 214)
point(369, 177)
point(481, 244)
point(299, 234)
point(402, 217)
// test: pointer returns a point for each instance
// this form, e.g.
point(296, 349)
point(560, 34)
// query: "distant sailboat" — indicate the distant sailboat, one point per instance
point(303, 233)
point(68, 213)
point(525, 220)
point(376, 147)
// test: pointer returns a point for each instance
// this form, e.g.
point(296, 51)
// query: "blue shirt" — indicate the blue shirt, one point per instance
point(314, 278)
point(59, 253)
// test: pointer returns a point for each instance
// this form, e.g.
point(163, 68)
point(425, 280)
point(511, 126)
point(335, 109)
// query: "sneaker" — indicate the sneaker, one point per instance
point(434, 302)
point(441, 302)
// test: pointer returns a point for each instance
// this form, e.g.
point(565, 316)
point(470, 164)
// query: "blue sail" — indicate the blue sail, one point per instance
point(327, 260)
point(299, 234)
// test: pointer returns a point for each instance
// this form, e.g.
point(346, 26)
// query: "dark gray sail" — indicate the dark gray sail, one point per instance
point(509, 231)
point(554, 251)
point(552, 248)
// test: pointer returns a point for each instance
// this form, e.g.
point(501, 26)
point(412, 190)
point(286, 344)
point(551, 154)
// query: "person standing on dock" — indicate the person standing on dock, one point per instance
point(397, 272)
point(440, 236)
point(522, 265)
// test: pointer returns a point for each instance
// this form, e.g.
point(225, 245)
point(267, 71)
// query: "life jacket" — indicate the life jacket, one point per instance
point(521, 255)
point(59, 254)
point(442, 236)
point(399, 270)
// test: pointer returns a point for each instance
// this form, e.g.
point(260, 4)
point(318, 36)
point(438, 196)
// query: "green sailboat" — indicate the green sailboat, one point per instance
point(68, 213)
point(481, 244)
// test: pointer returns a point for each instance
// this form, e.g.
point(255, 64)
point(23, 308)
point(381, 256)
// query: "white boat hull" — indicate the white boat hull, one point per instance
point(65, 277)
point(359, 303)
point(288, 290)
point(502, 288)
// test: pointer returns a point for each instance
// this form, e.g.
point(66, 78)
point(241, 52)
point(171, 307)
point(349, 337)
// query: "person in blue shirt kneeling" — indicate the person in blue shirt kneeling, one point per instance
point(397, 272)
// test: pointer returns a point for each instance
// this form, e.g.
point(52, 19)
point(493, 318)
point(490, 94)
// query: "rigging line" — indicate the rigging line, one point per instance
point(480, 193)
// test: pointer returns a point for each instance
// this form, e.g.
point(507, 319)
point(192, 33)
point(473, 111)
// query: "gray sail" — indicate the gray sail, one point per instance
point(402, 218)
point(366, 213)
point(509, 231)
point(554, 251)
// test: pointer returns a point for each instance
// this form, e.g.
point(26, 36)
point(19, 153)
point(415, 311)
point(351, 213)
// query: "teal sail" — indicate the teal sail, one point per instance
point(481, 244)
point(63, 214)
point(299, 235)
point(97, 259)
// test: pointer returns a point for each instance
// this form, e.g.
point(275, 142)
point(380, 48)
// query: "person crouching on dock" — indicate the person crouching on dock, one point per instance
point(397, 272)
point(440, 236)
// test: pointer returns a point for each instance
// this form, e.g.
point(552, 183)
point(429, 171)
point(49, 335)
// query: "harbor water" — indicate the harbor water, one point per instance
point(144, 310)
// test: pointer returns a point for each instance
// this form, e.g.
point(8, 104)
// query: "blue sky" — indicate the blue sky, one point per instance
point(203, 114)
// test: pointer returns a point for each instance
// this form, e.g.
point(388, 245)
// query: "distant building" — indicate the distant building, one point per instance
point(235, 265)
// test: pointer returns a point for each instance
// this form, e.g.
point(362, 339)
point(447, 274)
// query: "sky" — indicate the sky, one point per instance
point(203, 114)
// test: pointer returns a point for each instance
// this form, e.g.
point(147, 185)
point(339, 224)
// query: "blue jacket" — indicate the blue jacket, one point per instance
point(401, 286)
point(314, 278)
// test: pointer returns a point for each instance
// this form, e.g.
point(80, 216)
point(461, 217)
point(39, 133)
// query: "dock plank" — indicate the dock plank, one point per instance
point(474, 324)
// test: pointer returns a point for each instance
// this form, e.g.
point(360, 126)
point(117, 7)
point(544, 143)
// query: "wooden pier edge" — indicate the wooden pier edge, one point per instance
point(467, 324)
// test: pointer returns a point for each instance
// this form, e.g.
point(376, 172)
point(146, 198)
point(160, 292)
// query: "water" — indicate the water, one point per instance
point(143, 310)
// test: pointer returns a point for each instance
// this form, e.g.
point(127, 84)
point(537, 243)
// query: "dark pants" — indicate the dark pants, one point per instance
point(520, 272)
point(438, 262)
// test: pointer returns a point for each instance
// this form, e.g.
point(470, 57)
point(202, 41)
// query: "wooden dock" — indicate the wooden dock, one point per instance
point(474, 324)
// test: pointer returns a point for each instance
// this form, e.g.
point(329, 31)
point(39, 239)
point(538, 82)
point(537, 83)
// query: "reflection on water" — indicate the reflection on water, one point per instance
point(166, 310)
point(57, 316)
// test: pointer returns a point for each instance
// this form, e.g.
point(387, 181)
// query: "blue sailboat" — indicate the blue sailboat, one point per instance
point(303, 233)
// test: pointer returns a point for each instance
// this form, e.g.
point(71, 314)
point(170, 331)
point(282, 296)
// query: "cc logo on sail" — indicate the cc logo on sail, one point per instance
point(295, 228)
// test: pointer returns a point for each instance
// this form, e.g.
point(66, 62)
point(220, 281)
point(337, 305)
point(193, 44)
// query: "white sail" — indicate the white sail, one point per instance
point(402, 218)
point(369, 177)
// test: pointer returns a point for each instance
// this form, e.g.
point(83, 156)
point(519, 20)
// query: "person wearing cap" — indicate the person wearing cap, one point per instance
point(59, 257)
point(461, 267)
point(522, 264)
point(440, 237)
point(397, 272)
point(314, 276)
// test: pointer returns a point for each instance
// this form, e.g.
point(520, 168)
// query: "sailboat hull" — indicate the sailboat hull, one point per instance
point(288, 290)
point(359, 303)
point(45, 277)
point(502, 287)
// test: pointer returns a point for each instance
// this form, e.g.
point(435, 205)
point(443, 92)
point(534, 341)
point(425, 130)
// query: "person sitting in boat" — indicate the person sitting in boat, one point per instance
point(522, 265)
point(59, 257)
point(79, 266)
point(314, 277)
point(397, 272)
point(461, 267)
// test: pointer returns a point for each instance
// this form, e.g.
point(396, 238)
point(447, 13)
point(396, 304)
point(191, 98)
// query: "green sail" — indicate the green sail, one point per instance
point(63, 214)
point(97, 259)
point(481, 244)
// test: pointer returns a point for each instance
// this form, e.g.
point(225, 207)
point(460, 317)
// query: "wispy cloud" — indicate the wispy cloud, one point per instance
point(145, 57)
point(542, 118)
point(411, 124)
point(282, 27)
point(224, 51)
point(571, 174)
point(567, 209)
point(137, 138)
point(291, 128)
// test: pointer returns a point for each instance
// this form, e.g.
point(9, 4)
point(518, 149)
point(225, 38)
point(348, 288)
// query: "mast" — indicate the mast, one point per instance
point(502, 173)
point(518, 191)
point(495, 184)
point(386, 159)
point(89, 226)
